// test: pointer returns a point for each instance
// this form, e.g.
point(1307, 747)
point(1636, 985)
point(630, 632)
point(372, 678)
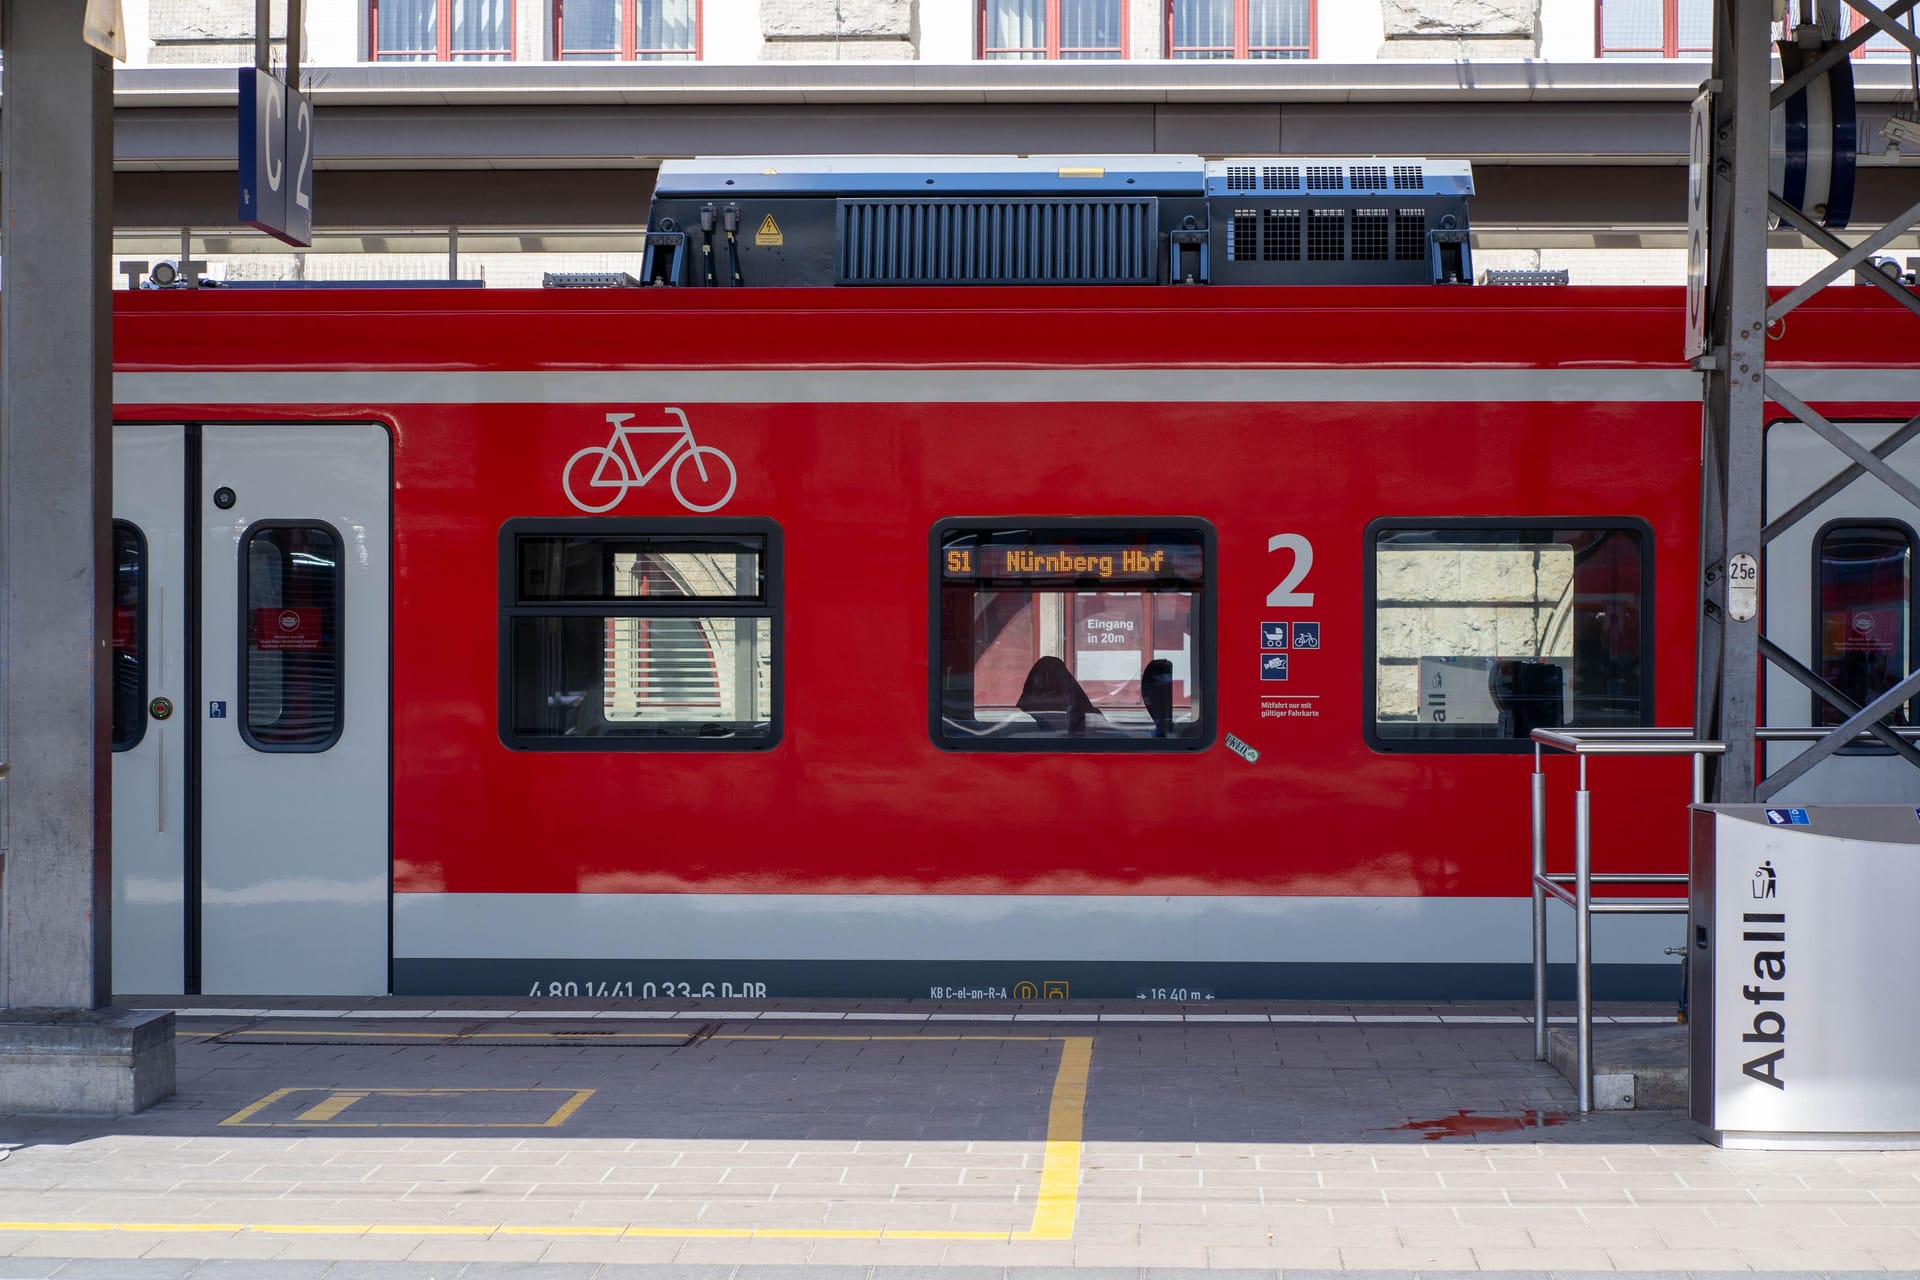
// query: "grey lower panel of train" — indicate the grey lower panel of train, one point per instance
point(911, 946)
point(1010, 980)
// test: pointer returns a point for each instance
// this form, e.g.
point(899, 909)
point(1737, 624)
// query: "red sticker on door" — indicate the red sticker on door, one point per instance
point(286, 629)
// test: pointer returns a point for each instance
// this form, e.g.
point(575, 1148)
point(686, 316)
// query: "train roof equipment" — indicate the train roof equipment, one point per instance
point(821, 221)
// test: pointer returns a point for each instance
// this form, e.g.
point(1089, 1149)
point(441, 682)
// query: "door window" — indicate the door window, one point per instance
point(291, 691)
point(129, 636)
point(1866, 591)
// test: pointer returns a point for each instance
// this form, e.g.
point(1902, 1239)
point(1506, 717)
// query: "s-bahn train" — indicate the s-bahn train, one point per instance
point(887, 625)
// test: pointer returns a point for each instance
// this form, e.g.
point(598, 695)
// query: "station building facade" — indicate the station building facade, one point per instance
point(343, 32)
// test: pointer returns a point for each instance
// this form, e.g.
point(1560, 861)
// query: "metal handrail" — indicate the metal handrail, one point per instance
point(1581, 743)
point(1804, 733)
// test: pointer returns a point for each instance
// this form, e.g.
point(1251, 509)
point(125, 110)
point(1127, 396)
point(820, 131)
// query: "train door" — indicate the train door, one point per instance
point(149, 685)
point(1839, 591)
point(284, 715)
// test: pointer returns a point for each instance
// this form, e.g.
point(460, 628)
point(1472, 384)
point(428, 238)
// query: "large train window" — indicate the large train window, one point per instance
point(291, 692)
point(1072, 635)
point(1483, 631)
point(1864, 614)
point(129, 636)
point(640, 634)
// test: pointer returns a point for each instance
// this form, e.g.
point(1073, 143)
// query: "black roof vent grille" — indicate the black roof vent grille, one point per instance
point(1368, 177)
point(998, 241)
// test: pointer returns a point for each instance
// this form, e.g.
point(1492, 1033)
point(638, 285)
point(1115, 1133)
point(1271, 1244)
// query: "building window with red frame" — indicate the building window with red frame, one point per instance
point(1654, 28)
point(440, 30)
point(1240, 28)
point(1056, 29)
point(1684, 29)
point(626, 30)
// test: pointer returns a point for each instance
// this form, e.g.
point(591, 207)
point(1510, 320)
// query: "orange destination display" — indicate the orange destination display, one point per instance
point(1089, 559)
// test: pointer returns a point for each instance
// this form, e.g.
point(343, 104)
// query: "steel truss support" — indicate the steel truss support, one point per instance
point(1739, 392)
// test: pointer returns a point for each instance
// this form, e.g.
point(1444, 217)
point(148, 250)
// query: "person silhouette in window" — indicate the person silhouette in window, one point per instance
point(1156, 694)
point(1054, 698)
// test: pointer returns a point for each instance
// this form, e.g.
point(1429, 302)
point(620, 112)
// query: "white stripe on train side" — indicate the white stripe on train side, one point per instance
point(961, 927)
point(981, 386)
point(921, 386)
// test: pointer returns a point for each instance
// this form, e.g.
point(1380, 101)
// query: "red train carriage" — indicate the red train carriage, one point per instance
point(998, 642)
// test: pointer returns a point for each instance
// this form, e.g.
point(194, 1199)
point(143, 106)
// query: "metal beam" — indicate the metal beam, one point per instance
point(1840, 480)
point(1880, 20)
point(1824, 239)
point(1733, 424)
point(1834, 53)
point(1866, 719)
point(1856, 452)
point(1852, 258)
point(1830, 694)
point(56, 465)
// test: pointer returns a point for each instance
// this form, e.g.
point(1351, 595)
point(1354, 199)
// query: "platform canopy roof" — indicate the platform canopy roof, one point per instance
point(1577, 153)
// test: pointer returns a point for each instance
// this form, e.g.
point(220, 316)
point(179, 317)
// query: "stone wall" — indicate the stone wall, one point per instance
point(839, 30)
point(202, 32)
point(1461, 28)
point(1463, 601)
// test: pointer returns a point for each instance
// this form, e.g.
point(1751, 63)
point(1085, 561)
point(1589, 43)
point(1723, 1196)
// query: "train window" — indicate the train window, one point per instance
point(129, 636)
point(291, 691)
point(639, 634)
point(1072, 635)
point(592, 568)
point(1483, 631)
point(1864, 614)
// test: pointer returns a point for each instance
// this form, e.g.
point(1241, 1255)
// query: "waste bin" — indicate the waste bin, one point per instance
point(1804, 978)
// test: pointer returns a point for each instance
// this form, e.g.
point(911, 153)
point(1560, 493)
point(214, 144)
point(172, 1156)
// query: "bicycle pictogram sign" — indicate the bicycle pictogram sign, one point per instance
point(616, 470)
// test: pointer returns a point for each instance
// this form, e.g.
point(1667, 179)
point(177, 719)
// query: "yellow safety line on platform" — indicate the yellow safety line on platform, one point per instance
point(321, 1116)
point(1053, 1214)
point(332, 1106)
point(1060, 1170)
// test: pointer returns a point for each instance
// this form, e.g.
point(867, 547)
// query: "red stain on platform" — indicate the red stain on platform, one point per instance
point(1466, 1124)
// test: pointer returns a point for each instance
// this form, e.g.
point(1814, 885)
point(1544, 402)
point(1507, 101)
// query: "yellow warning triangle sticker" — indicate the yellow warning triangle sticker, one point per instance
point(769, 233)
point(768, 227)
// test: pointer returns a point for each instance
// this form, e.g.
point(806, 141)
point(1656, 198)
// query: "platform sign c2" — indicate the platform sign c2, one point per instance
point(275, 157)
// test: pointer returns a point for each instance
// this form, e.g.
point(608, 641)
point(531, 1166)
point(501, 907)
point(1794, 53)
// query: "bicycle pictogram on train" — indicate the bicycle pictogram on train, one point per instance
point(617, 470)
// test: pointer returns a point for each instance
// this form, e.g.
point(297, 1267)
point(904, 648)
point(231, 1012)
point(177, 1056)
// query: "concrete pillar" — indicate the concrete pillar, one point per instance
point(60, 1047)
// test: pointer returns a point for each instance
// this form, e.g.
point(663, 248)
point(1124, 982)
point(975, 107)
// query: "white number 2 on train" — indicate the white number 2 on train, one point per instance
point(1284, 594)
